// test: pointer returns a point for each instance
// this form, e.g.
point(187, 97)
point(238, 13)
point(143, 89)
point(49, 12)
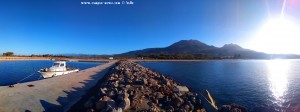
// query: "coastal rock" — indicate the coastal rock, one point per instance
point(145, 82)
point(178, 101)
point(180, 89)
point(101, 104)
point(88, 104)
point(111, 103)
point(232, 108)
point(127, 102)
point(117, 110)
point(102, 91)
point(201, 110)
point(131, 87)
point(91, 110)
point(115, 84)
point(111, 93)
point(158, 95)
point(141, 104)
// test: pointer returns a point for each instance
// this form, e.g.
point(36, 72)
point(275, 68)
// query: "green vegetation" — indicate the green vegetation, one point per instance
point(51, 55)
point(8, 54)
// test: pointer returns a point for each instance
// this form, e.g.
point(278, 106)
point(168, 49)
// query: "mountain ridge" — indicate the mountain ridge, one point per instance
point(197, 47)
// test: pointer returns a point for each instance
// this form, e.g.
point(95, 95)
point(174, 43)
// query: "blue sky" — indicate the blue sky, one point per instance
point(67, 26)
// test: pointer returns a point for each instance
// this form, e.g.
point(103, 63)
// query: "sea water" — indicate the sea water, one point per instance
point(259, 85)
point(12, 72)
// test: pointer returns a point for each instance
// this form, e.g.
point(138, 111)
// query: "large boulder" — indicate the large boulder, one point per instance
point(101, 104)
point(232, 108)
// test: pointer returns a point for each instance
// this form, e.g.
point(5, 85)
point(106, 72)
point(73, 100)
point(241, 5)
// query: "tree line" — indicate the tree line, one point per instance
point(177, 56)
point(34, 55)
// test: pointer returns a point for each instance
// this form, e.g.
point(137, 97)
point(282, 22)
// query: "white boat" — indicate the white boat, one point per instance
point(58, 68)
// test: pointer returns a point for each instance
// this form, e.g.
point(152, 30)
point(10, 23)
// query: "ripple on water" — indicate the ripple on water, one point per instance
point(260, 85)
point(12, 72)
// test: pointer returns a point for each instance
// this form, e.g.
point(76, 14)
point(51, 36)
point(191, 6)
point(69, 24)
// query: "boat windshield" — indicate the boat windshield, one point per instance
point(56, 64)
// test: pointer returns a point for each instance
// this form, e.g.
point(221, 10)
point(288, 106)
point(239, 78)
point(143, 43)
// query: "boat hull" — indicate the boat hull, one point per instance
point(48, 74)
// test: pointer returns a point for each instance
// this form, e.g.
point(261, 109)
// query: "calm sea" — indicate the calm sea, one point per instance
point(12, 72)
point(259, 85)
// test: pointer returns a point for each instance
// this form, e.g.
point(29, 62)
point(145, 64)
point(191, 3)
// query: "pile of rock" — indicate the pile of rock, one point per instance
point(232, 108)
point(130, 87)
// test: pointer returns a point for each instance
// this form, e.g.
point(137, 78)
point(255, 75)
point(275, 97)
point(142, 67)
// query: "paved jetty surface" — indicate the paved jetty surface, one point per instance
point(53, 94)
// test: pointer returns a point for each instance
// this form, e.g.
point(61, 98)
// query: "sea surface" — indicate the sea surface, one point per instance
point(12, 72)
point(258, 85)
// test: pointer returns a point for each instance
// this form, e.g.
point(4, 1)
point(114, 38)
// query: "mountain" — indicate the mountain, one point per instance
point(195, 47)
point(183, 46)
point(188, 47)
point(235, 51)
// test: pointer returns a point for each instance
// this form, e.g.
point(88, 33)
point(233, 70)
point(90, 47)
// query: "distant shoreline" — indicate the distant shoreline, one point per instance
point(20, 58)
point(16, 58)
point(24, 58)
point(188, 60)
point(166, 60)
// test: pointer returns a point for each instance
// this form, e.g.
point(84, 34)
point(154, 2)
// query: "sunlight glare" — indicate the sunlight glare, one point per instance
point(278, 71)
point(277, 36)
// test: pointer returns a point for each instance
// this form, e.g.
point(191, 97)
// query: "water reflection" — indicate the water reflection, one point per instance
point(278, 71)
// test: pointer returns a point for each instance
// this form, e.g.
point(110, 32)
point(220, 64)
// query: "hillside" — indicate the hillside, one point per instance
point(197, 49)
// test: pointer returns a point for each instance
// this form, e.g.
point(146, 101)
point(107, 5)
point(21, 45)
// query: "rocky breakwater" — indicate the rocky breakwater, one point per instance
point(130, 87)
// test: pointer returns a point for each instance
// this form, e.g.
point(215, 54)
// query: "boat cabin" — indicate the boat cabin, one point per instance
point(59, 66)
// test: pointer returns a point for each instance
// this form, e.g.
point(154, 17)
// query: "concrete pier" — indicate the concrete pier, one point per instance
point(53, 94)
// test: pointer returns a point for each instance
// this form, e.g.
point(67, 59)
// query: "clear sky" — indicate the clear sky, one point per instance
point(67, 26)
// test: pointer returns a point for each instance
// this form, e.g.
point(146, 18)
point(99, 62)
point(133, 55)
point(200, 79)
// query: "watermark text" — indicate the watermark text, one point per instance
point(108, 3)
